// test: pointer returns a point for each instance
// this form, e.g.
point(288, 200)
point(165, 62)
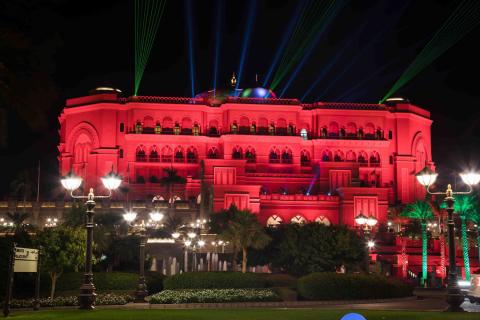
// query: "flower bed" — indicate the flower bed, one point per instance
point(213, 296)
point(214, 280)
point(102, 299)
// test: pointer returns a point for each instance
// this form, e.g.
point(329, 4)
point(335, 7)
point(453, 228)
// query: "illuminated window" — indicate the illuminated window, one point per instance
point(176, 129)
point(274, 221)
point(138, 127)
point(298, 219)
point(304, 134)
point(158, 128)
point(196, 130)
point(234, 128)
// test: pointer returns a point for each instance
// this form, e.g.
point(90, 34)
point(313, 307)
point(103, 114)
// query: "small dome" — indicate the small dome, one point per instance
point(258, 92)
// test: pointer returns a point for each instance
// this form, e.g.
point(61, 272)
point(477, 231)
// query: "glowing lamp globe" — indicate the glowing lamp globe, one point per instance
point(112, 181)
point(361, 219)
point(188, 243)
point(470, 178)
point(71, 182)
point(191, 235)
point(201, 243)
point(370, 244)
point(371, 221)
point(426, 177)
point(130, 216)
point(156, 216)
point(175, 235)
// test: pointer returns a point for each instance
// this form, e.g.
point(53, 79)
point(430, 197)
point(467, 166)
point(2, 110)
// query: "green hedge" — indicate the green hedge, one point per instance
point(101, 300)
point(213, 296)
point(279, 280)
point(214, 280)
point(110, 281)
point(335, 286)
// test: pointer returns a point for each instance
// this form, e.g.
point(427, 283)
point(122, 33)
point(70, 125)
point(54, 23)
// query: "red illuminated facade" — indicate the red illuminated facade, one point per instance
point(284, 160)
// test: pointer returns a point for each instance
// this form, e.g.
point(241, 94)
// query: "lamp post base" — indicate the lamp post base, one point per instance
point(87, 296)
point(454, 300)
point(141, 291)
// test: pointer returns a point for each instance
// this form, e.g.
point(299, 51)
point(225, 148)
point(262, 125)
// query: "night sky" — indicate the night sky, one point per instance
point(57, 49)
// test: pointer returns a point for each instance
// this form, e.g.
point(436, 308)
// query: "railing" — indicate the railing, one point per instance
point(165, 158)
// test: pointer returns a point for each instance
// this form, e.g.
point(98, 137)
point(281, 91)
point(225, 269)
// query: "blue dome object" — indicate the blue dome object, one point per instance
point(258, 92)
point(353, 316)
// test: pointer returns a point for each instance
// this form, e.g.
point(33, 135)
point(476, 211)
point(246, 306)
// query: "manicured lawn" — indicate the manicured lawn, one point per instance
point(237, 314)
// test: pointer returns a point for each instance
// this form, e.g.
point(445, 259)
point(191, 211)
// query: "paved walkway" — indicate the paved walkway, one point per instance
point(384, 304)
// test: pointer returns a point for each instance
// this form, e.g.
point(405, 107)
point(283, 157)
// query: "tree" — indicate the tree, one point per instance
point(465, 206)
point(169, 181)
point(301, 249)
point(422, 211)
point(474, 216)
point(22, 186)
point(62, 248)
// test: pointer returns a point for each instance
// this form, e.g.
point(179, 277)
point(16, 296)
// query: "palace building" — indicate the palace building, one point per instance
point(286, 161)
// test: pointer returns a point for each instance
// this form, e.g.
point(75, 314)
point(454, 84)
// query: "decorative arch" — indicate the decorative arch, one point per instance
point(298, 219)
point(339, 156)
point(274, 221)
point(362, 157)
point(250, 154)
point(374, 158)
point(167, 154)
point(192, 154)
point(333, 129)
point(82, 149)
point(323, 220)
point(237, 153)
point(369, 130)
point(140, 153)
point(274, 155)
point(154, 156)
point(287, 155)
point(351, 130)
point(350, 156)
point(213, 128)
point(148, 122)
point(212, 153)
point(86, 129)
point(281, 123)
point(179, 154)
point(327, 155)
point(305, 159)
point(167, 123)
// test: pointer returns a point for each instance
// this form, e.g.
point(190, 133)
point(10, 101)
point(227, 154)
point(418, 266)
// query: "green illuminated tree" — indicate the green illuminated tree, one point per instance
point(422, 211)
point(474, 216)
point(63, 248)
point(464, 206)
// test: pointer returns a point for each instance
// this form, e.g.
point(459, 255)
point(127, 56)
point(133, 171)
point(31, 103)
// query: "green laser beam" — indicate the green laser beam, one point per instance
point(464, 18)
point(147, 17)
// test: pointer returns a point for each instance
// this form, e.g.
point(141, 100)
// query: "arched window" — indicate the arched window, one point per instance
point(167, 125)
point(167, 154)
point(192, 155)
point(287, 156)
point(281, 129)
point(369, 131)
point(138, 127)
point(237, 153)
point(360, 134)
point(148, 124)
point(304, 134)
point(179, 156)
point(339, 156)
point(327, 155)
point(374, 158)
point(323, 220)
point(176, 128)
point(274, 221)
point(212, 153)
point(186, 126)
point(213, 127)
point(323, 132)
point(298, 219)
point(234, 128)
point(158, 128)
point(362, 157)
point(274, 155)
point(196, 129)
point(154, 157)
point(253, 128)
point(350, 157)
point(244, 126)
point(379, 134)
point(351, 130)
point(250, 155)
point(291, 130)
point(333, 130)
point(271, 129)
point(305, 158)
point(140, 154)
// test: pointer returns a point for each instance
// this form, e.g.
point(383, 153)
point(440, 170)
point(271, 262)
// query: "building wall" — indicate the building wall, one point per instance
point(354, 153)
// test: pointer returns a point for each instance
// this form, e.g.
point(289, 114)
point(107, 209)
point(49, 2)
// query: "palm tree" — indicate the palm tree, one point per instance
point(422, 211)
point(18, 220)
point(244, 232)
point(169, 181)
point(464, 204)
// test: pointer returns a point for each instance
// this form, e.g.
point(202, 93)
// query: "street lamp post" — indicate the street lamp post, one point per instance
point(366, 224)
point(427, 177)
point(71, 182)
point(141, 230)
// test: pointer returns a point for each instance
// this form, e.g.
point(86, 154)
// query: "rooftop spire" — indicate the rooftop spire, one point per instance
point(233, 80)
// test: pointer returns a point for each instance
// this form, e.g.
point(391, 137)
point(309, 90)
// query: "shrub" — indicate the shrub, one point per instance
point(154, 282)
point(279, 280)
point(214, 280)
point(214, 296)
point(335, 286)
point(104, 281)
point(102, 299)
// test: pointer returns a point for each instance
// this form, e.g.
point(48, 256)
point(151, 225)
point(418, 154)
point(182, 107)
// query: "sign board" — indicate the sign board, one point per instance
point(26, 260)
